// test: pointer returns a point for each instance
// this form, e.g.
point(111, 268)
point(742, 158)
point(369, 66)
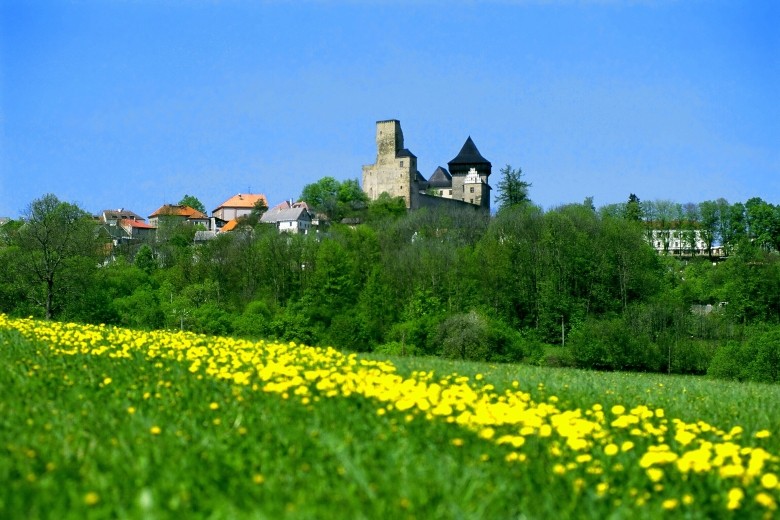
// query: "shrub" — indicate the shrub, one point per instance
point(756, 359)
point(608, 344)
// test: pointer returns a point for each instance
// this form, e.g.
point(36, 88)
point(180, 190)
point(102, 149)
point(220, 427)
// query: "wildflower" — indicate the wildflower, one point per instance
point(611, 449)
point(155, 430)
point(763, 434)
point(766, 500)
point(91, 498)
point(735, 497)
point(769, 480)
point(214, 406)
point(655, 474)
point(618, 409)
point(670, 503)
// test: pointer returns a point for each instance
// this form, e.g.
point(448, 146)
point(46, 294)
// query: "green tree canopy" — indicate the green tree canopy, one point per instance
point(333, 198)
point(56, 237)
point(193, 202)
point(512, 190)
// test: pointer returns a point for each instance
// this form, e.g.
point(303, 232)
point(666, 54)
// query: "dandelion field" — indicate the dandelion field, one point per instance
point(100, 422)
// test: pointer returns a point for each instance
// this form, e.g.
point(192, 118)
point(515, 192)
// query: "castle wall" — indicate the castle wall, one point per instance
point(433, 202)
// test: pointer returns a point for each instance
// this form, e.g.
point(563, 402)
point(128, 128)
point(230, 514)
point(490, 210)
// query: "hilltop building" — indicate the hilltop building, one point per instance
point(395, 173)
point(239, 206)
point(178, 213)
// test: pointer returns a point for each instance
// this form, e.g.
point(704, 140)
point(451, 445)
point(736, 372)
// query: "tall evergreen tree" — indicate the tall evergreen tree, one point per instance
point(512, 190)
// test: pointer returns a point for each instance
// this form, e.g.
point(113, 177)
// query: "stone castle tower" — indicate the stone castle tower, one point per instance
point(395, 173)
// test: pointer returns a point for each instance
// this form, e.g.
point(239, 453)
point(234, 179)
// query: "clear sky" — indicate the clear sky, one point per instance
point(134, 104)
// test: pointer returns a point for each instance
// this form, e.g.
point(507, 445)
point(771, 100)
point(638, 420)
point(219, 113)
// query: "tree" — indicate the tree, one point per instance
point(322, 196)
point(336, 199)
point(56, 236)
point(193, 202)
point(512, 190)
point(633, 209)
point(708, 212)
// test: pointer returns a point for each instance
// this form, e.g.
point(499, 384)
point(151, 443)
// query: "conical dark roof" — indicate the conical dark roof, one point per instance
point(469, 155)
point(441, 178)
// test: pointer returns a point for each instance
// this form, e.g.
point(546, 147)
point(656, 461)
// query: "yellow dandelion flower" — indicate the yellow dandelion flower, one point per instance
point(611, 449)
point(766, 500)
point(257, 478)
point(655, 474)
point(735, 497)
point(487, 433)
point(687, 499)
point(769, 480)
point(670, 503)
point(155, 430)
point(214, 406)
point(457, 442)
point(131, 410)
point(618, 409)
point(91, 498)
point(763, 434)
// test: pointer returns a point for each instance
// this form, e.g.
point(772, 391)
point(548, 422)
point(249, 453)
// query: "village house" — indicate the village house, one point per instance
point(114, 216)
point(290, 217)
point(177, 213)
point(239, 205)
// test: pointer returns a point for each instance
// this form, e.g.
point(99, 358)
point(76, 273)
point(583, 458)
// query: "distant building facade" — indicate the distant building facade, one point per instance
point(395, 173)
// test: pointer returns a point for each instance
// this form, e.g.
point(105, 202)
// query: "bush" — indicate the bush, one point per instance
point(609, 344)
point(756, 359)
point(464, 336)
point(395, 348)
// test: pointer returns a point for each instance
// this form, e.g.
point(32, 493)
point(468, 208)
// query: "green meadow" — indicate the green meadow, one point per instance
point(146, 435)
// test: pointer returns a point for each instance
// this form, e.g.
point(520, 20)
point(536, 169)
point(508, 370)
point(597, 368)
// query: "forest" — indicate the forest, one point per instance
point(574, 285)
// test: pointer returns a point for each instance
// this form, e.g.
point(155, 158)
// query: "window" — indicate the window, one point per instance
point(450, 192)
point(471, 200)
point(402, 164)
point(471, 190)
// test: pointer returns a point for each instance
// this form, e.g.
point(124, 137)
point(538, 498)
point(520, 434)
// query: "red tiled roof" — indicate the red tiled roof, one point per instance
point(243, 200)
point(136, 224)
point(169, 210)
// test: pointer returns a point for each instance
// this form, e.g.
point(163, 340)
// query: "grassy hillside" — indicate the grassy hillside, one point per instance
point(98, 422)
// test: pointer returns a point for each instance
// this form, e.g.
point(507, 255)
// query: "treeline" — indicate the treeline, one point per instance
point(569, 286)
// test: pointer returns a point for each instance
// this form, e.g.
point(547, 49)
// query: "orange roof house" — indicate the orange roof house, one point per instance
point(239, 206)
point(184, 213)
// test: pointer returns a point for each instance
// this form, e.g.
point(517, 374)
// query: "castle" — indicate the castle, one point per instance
point(395, 173)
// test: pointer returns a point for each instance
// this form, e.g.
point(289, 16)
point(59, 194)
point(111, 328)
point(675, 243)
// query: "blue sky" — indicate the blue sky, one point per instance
point(134, 104)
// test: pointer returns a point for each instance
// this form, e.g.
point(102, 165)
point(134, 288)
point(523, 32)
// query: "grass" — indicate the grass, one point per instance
point(146, 435)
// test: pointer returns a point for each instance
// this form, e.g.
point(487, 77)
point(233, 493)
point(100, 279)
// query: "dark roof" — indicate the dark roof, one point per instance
point(441, 178)
point(469, 155)
point(405, 153)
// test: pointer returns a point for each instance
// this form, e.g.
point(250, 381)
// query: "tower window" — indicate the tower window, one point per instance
point(402, 164)
point(471, 189)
